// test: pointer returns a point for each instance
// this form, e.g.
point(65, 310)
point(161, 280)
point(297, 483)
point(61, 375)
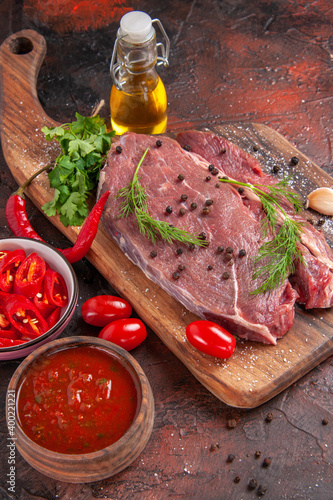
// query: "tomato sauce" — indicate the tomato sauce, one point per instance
point(77, 400)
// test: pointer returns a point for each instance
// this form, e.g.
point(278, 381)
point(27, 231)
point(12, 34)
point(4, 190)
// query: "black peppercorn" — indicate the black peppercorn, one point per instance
point(153, 254)
point(237, 479)
point(225, 275)
point(182, 211)
point(208, 178)
point(242, 252)
point(181, 177)
point(119, 149)
point(223, 150)
point(193, 206)
point(229, 249)
point(228, 256)
point(225, 177)
point(269, 417)
point(267, 462)
point(217, 185)
point(241, 190)
point(209, 202)
point(158, 143)
point(176, 276)
point(320, 222)
point(168, 209)
point(183, 197)
point(253, 483)
point(181, 267)
point(191, 247)
point(261, 490)
point(211, 168)
point(179, 251)
point(209, 267)
point(215, 171)
point(294, 160)
point(276, 169)
point(220, 249)
point(257, 454)
point(206, 211)
point(187, 147)
point(324, 421)
point(230, 458)
point(202, 236)
point(255, 148)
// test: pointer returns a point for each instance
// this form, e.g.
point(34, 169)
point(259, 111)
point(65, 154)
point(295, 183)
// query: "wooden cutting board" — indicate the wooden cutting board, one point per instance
point(255, 373)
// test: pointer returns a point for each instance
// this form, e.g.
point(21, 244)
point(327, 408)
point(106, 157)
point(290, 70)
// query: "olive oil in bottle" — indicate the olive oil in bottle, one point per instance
point(138, 100)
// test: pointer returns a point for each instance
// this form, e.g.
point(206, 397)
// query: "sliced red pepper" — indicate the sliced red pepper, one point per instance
point(3, 297)
point(8, 267)
point(54, 317)
point(43, 305)
point(24, 316)
point(55, 288)
point(4, 323)
point(11, 342)
point(3, 254)
point(29, 276)
point(10, 334)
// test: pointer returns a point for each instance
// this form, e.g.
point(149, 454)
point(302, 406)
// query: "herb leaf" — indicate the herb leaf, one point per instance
point(84, 144)
point(279, 254)
point(135, 201)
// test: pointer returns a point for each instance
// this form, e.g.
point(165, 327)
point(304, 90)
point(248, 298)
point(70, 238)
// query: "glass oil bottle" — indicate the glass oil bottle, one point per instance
point(138, 100)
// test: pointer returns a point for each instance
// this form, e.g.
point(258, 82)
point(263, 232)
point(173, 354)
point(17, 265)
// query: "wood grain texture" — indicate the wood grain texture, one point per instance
point(255, 373)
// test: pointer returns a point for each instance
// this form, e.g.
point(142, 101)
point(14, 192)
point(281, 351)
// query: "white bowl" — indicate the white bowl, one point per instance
point(59, 263)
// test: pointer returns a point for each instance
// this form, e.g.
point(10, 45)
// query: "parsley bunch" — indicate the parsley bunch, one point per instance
point(84, 145)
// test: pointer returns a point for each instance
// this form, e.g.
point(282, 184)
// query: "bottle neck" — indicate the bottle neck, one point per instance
point(137, 57)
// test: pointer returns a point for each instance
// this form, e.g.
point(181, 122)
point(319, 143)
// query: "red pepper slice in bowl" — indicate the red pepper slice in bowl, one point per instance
point(8, 268)
point(40, 300)
point(10, 342)
point(29, 276)
point(55, 288)
point(24, 316)
point(54, 317)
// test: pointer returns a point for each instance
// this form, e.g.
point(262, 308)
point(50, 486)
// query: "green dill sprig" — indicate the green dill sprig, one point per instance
point(134, 200)
point(279, 253)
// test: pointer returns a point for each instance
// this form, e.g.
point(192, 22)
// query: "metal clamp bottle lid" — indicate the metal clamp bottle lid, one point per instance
point(136, 27)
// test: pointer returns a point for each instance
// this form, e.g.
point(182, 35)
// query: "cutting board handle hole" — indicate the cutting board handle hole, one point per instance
point(21, 45)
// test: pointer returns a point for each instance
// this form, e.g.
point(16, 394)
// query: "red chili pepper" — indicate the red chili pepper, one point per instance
point(8, 267)
point(43, 305)
point(29, 276)
point(55, 288)
point(87, 233)
point(3, 253)
point(54, 317)
point(20, 226)
point(24, 316)
point(10, 342)
point(4, 323)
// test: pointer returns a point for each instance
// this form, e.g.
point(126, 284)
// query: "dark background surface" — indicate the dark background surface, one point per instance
point(230, 61)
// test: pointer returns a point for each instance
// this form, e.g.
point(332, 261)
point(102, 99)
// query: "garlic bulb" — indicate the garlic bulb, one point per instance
point(321, 200)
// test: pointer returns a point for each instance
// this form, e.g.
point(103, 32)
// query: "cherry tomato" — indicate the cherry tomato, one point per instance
point(127, 333)
point(210, 338)
point(102, 309)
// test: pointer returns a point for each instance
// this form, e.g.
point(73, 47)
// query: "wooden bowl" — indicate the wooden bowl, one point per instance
point(98, 465)
point(59, 263)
